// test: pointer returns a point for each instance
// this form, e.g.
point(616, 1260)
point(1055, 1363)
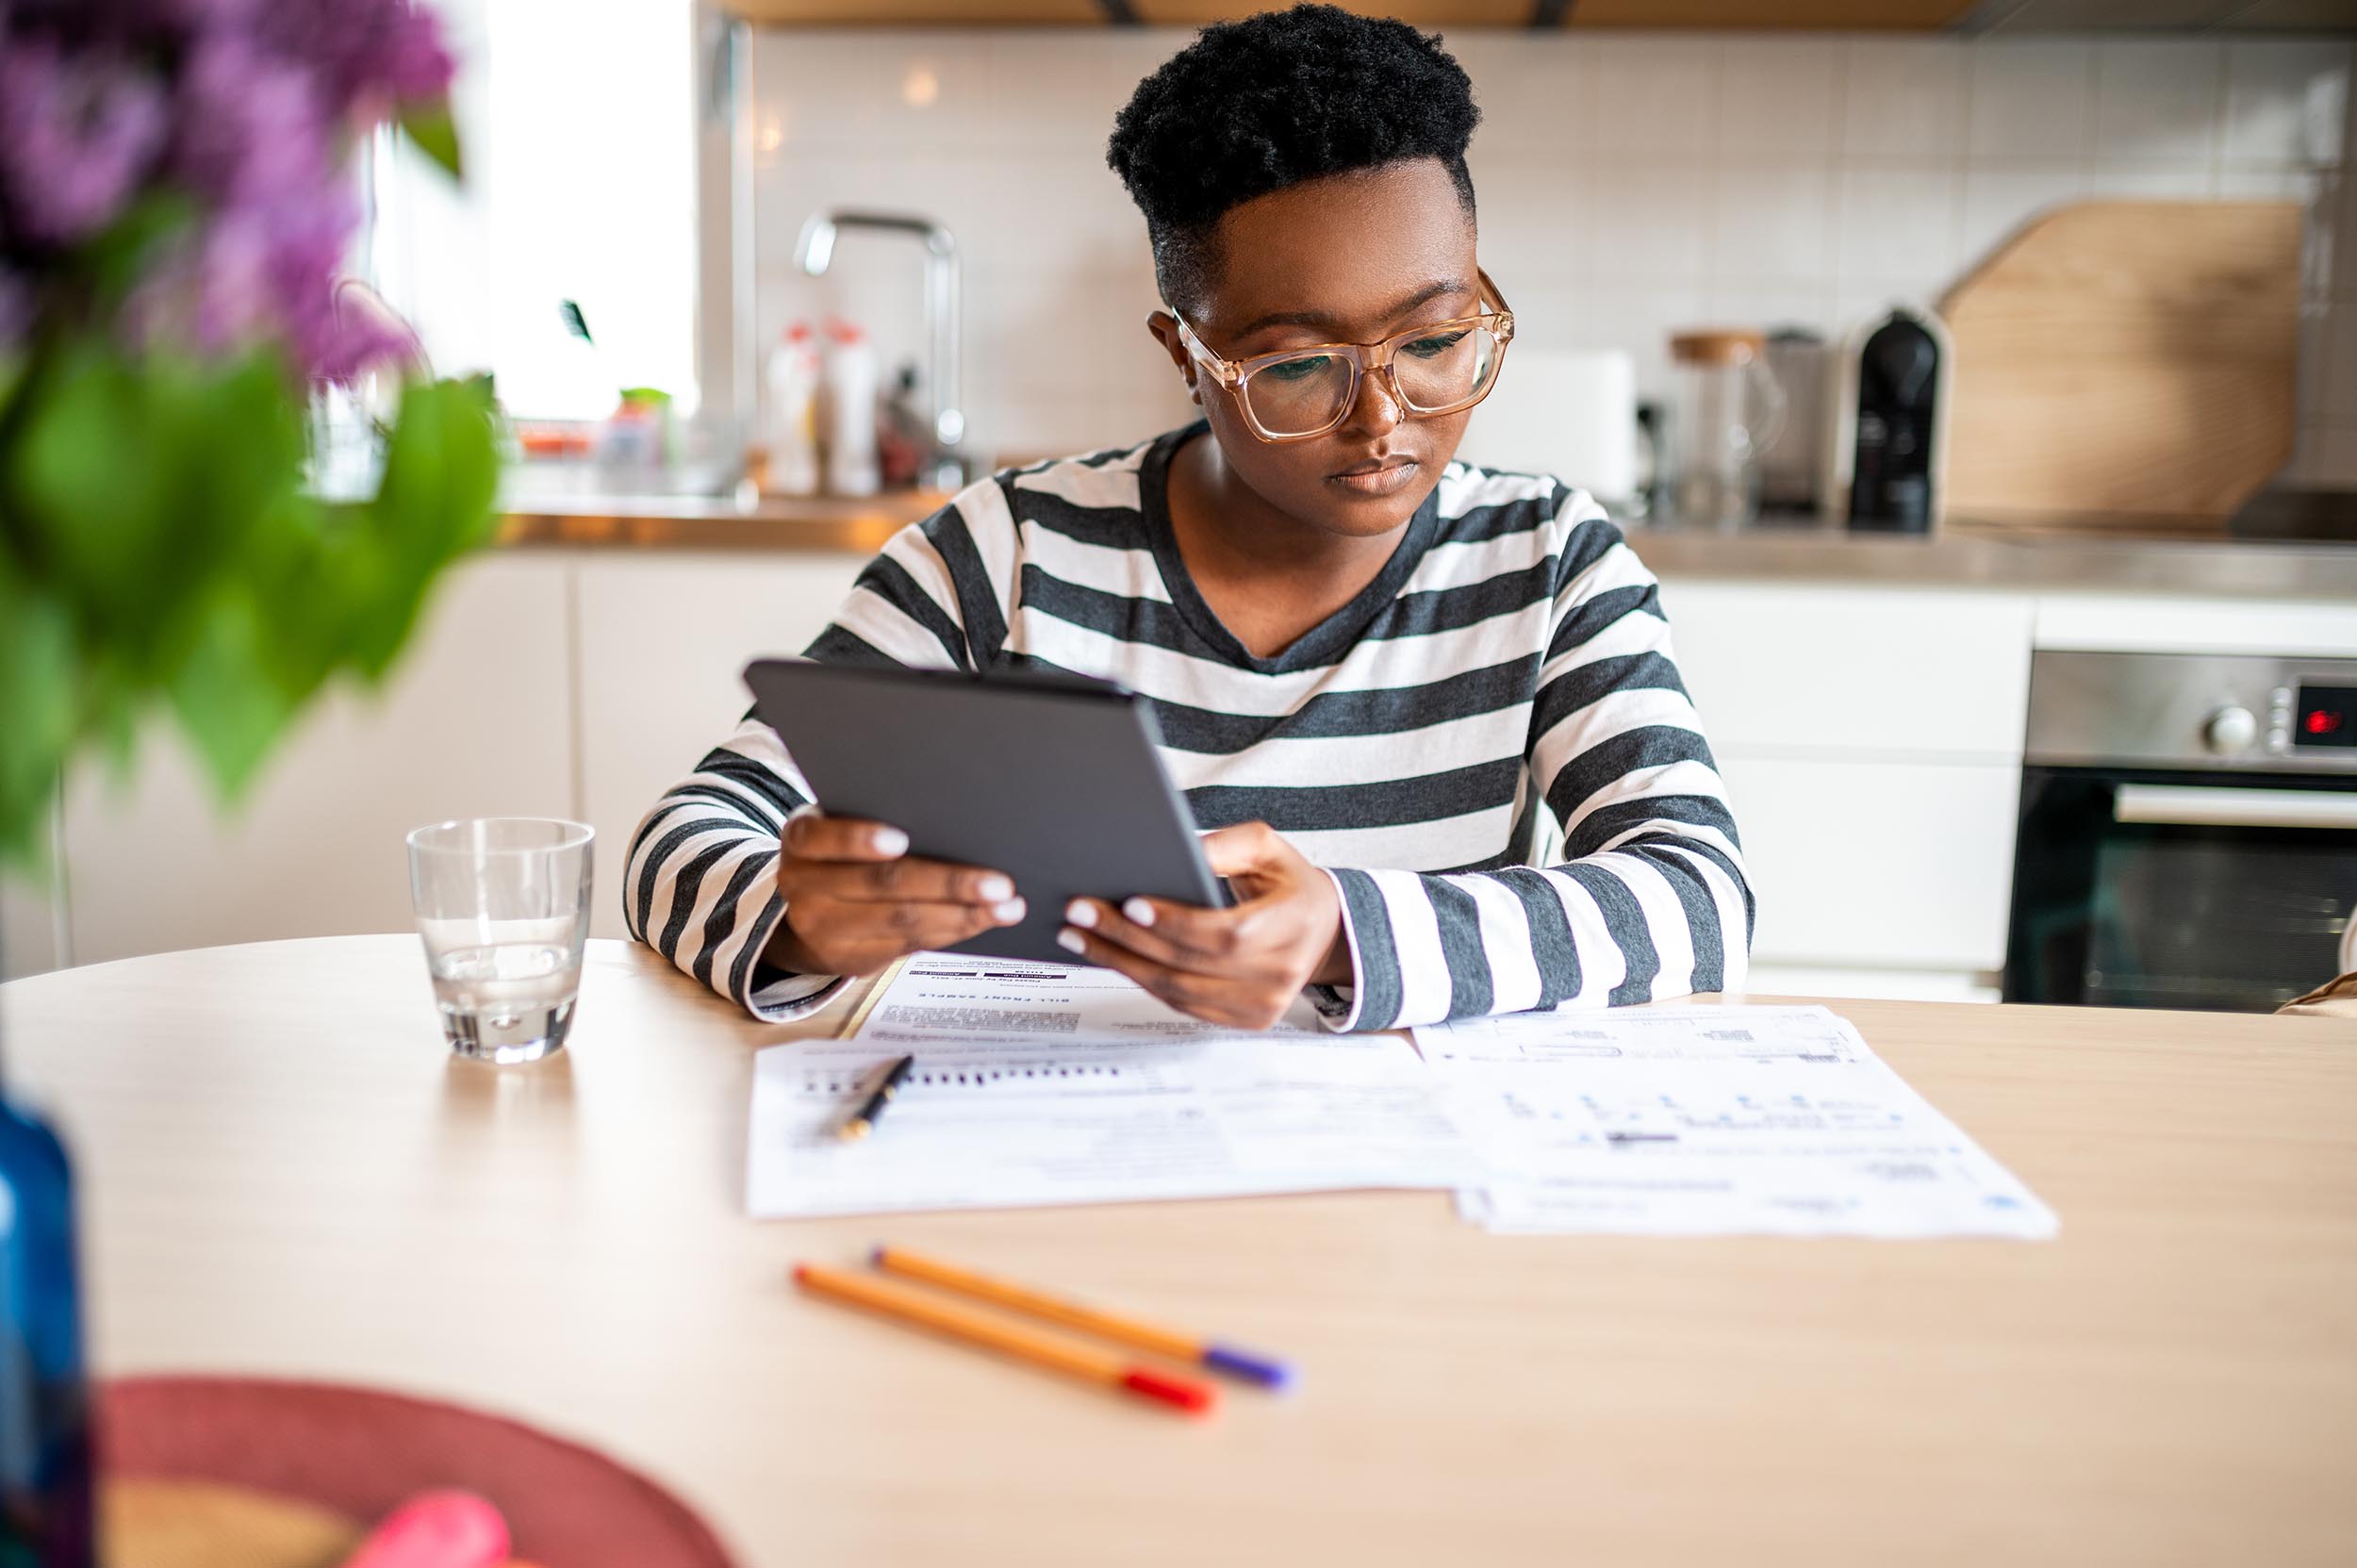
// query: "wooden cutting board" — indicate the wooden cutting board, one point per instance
point(2127, 360)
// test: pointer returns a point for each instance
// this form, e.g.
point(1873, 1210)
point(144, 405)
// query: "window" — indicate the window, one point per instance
point(578, 124)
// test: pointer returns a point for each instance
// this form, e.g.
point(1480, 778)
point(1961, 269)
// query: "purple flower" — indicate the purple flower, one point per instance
point(259, 103)
point(250, 126)
point(77, 134)
point(199, 17)
point(366, 54)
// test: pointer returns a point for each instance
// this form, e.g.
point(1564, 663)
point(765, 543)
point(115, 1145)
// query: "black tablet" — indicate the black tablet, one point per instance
point(1053, 780)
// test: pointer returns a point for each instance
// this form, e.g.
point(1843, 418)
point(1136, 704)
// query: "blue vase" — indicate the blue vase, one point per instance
point(44, 1398)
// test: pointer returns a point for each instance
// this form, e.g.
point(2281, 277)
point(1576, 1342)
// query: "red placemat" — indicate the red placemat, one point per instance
point(363, 1453)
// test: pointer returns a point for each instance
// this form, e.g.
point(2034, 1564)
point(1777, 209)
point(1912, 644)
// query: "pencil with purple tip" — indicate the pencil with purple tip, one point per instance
point(1248, 1365)
point(1020, 1340)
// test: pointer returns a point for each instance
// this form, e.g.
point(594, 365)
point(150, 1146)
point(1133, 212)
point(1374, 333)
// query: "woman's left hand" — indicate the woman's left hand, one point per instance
point(1240, 966)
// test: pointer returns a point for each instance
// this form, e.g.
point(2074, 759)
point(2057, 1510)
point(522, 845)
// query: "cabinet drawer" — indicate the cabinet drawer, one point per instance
point(1873, 862)
point(1873, 670)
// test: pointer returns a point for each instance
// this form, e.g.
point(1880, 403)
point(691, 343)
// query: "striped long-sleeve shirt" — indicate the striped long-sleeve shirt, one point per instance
point(1488, 749)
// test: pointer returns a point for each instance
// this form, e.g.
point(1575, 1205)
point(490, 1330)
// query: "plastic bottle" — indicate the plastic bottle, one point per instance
point(635, 443)
point(902, 440)
point(794, 382)
point(851, 386)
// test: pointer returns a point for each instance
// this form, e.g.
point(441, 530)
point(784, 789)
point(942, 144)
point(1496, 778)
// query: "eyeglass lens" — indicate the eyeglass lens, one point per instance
point(1311, 391)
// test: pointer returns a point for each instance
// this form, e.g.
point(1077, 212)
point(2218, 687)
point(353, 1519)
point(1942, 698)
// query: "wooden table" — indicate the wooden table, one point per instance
point(284, 1172)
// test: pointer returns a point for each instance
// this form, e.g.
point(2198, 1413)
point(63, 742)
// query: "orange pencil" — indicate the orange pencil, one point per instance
point(1247, 1364)
point(1009, 1338)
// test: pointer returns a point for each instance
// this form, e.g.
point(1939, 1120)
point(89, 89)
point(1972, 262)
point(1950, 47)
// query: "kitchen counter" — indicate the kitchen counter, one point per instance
point(1964, 555)
point(829, 524)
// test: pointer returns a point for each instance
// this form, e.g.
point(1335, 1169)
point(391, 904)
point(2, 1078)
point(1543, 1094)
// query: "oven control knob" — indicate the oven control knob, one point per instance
point(2230, 730)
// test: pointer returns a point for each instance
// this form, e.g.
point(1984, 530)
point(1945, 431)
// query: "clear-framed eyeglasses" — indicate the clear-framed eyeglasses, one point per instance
point(1299, 394)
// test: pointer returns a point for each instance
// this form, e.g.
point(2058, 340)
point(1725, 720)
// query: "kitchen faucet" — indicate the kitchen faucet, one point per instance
point(814, 252)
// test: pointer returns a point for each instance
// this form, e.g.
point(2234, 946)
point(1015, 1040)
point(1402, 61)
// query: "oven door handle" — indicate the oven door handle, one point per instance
point(2200, 806)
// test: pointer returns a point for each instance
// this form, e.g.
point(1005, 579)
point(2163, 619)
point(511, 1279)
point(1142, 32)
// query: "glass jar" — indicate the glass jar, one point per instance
point(1729, 408)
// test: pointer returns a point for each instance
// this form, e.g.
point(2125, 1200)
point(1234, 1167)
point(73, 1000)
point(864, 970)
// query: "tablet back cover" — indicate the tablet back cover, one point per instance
point(1054, 782)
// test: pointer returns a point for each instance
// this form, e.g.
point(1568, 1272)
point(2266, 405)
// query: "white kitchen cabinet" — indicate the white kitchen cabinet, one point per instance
point(1870, 741)
point(28, 928)
point(663, 640)
point(1901, 865)
point(1854, 671)
point(476, 722)
point(1869, 736)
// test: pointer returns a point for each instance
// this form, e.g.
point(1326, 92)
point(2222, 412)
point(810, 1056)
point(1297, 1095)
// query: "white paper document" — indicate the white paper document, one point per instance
point(1038, 1084)
point(1713, 1121)
point(949, 997)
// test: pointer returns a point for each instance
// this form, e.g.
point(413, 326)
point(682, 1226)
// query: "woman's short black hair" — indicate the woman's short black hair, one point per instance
point(1255, 106)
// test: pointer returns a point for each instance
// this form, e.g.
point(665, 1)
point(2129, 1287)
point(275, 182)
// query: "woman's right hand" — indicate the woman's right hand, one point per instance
point(856, 900)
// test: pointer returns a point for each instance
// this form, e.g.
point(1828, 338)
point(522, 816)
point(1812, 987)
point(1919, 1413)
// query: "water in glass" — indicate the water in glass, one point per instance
point(503, 911)
point(508, 1002)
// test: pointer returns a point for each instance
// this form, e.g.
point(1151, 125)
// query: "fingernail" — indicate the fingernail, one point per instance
point(1139, 911)
point(1069, 940)
point(1079, 913)
point(997, 889)
point(890, 842)
point(1008, 913)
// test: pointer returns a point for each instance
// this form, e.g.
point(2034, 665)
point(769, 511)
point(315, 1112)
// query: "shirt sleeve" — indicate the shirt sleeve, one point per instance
point(1651, 898)
point(701, 883)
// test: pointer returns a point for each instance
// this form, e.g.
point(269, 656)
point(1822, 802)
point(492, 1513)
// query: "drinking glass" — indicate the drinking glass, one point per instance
point(503, 906)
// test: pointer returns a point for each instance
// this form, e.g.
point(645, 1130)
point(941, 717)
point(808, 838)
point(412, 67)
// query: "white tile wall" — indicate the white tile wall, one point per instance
point(2032, 98)
point(2156, 100)
point(1630, 185)
point(1655, 96)
point(1779, 96)
point(1901, 98)
point(2280, 107)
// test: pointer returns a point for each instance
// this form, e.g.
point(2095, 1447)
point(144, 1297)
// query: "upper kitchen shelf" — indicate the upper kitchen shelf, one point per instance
point(1879, 15)
point(2008, 16)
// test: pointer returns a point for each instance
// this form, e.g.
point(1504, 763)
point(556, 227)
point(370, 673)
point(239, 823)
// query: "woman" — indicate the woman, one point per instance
point(1429, 711)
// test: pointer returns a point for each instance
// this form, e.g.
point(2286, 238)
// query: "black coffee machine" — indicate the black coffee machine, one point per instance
point(1897, 424)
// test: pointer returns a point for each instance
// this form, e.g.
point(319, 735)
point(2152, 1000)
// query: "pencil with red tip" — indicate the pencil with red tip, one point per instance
point(1016, 1340)
point(1248, 1365)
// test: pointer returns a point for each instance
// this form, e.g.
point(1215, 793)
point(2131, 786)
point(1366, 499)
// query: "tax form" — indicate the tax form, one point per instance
point(1712, 1121)
point(1037, 1084)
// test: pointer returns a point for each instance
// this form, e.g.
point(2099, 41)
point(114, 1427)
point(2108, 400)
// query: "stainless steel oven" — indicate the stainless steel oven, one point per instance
point(2188, 830)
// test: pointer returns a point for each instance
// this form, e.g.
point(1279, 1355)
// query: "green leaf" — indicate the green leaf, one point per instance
point(227, 693)
point(431, 129)
point(111, 710)
point(155, 545)
point(39, 695)
point(434, 503)
point(135, 483)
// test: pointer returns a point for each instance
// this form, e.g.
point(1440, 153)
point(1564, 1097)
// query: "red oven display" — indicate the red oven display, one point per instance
point(2326, 716)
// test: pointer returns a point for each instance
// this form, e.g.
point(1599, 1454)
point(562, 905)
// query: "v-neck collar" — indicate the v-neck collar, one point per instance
point(1323, 643)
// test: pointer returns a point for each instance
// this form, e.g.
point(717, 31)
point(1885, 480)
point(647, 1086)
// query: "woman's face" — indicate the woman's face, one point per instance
point(1351, 258)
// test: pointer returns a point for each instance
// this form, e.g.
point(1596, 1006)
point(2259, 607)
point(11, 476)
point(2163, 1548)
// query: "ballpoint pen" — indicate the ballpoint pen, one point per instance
point(862, 1121)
